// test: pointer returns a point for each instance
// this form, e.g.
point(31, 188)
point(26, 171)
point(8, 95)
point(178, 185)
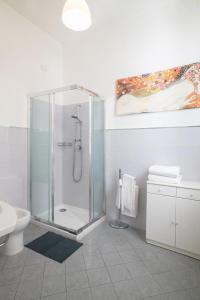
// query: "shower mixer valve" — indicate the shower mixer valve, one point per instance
point(78, 147)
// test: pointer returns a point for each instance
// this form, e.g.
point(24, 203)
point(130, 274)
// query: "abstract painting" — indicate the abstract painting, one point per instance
point(172, 89)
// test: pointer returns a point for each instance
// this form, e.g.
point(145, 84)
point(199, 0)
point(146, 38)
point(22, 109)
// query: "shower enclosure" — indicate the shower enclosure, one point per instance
point(66, 148)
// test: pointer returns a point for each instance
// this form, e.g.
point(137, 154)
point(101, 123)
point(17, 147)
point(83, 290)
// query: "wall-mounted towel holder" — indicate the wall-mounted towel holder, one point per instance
point(117, 224)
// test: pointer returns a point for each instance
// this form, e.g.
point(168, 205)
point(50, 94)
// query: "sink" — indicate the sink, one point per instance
point(8, 218)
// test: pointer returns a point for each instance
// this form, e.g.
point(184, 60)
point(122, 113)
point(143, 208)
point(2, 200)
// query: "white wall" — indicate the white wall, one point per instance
point(30, 61)
point(142, 36)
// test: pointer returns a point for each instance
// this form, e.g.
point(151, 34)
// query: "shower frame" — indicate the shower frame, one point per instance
point(51, 94)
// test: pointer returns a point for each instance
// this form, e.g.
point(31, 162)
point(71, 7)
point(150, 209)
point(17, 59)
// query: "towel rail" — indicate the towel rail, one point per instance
point(120, 174)
point(118, 224)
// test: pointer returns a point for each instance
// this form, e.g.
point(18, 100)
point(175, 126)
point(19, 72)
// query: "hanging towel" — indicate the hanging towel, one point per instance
point(134, 211)
point(129, 196)
point(166, 171)
point(163, 179)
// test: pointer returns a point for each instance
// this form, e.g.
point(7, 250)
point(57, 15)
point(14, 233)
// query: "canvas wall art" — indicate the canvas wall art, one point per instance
point(172, 89)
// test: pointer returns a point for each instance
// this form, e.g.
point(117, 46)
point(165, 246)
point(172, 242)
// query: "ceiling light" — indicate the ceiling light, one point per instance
point(76, 15)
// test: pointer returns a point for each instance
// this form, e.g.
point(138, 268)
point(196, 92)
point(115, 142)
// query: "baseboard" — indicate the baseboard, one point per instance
point(180, 251)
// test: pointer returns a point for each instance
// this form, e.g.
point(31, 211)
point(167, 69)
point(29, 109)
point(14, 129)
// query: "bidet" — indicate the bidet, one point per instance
point(15, 243)
point(8, 218)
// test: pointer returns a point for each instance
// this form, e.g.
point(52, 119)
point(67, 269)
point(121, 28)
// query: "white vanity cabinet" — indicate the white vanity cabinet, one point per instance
point(161, 215)
point(188, 225)
point(173, 217)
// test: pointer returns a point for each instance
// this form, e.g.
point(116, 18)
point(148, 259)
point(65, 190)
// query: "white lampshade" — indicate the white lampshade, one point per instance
point(76, 15)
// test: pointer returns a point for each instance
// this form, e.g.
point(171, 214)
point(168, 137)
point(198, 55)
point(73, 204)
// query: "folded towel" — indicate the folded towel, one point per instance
point(166, 171)
point(163, 179)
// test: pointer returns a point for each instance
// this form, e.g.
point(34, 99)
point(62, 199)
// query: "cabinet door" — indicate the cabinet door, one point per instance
point(161, 219)
point(188, 225)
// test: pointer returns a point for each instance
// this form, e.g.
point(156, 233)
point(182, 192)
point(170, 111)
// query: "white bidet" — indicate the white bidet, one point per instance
point(15, 243)
point(8, 219)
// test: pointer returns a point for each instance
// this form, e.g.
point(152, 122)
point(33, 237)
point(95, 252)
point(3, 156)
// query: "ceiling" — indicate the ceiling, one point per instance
point(46, 14)
point(107, 15)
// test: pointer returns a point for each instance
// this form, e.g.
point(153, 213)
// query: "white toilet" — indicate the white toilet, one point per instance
point(15, 243)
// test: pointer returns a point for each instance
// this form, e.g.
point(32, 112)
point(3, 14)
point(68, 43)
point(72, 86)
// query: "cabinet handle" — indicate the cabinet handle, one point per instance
point(191, 195)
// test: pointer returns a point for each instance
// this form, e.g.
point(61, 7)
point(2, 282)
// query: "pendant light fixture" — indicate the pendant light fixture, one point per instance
point(76, 15)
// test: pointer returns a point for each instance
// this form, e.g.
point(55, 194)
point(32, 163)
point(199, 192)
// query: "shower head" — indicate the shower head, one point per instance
point(76, 118)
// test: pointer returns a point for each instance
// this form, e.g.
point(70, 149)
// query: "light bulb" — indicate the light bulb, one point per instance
point(76, 15)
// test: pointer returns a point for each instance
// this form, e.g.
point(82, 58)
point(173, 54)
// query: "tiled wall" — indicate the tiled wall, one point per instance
point(66, 190)
point(131, 150)
point(76, 194)
point(13, 166)
point(134, 150)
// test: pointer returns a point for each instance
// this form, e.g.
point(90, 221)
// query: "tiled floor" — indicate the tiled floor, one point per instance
point(112, 265)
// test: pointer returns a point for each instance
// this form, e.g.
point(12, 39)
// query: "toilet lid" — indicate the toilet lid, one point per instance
point(8, 218)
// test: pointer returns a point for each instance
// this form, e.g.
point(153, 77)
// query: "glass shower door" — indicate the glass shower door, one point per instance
point(40, 157)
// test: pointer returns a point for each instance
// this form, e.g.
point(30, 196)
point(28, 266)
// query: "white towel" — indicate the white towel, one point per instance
point(163, 179)
point(128, 193)
point(129, 196)
point(120, 184)
point(133, 212)
point(166, 171)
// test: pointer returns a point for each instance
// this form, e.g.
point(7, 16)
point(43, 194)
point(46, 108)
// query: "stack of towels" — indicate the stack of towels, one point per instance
point(165, 174)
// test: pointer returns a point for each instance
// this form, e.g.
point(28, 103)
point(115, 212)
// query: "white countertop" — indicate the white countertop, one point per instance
point(183, 184)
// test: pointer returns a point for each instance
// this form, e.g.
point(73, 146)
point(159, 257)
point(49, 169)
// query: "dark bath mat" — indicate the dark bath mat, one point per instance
point(54, 246)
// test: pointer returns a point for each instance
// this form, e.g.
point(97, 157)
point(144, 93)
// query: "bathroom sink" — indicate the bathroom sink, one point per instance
point(8, 218)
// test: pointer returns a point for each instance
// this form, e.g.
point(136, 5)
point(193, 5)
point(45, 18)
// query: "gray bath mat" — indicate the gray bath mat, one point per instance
point(54, 246)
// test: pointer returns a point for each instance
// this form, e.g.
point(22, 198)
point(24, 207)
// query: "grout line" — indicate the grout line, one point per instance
point(170, 293)
point(18, 284)
point(43, 279)
point(66, 280)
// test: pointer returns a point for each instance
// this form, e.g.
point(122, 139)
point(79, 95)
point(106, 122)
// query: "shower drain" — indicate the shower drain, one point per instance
point(62, 210)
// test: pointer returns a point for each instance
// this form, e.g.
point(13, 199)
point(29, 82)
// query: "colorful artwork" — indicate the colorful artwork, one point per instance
point(172, 89)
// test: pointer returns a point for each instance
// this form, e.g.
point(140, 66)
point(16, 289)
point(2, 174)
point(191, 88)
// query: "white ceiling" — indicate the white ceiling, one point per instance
point(46, 14)
point(107, 15)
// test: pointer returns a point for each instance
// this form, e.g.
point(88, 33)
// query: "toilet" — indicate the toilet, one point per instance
point(15, 243)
